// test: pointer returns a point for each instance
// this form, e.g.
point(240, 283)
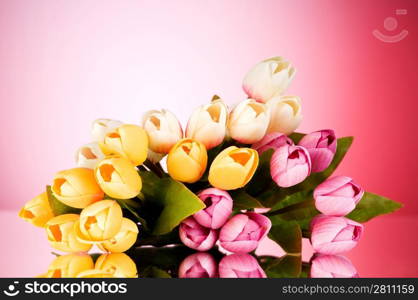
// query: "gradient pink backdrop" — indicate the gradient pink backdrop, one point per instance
point(66, 63)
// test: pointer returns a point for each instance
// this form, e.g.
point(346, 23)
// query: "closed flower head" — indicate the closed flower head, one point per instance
point(285, 114)
point(37, 211)
point(129, 141)
point(248, 121)
point(233, 168)
point(163, 128)
point(208, 123)
point(269, 78)
point(187, 161)
point(62, 235)
point(118, 178)
point(99, 222)
point(76, 187)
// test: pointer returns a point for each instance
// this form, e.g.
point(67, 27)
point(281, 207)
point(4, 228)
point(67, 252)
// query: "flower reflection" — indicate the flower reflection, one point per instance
point(332, 266)
point(183, 262)
point(198, 265)
point(240, 266)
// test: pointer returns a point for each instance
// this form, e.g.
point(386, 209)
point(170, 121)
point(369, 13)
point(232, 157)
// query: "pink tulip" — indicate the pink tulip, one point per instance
point(332, 266)
point(334, 235)
point(243, 232)
point(321, 146)
point(198, 265)
point(272, 140)
point(240, 266)
point(337, 196)
point(290, 165)
point(218, 208)
point(197, 237)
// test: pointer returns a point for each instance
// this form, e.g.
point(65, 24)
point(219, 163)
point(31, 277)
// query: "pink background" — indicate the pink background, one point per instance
point(65, 63)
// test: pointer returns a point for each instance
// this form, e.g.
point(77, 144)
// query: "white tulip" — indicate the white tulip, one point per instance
point(207, 123)
point(89, 155)
point(101, 127)
point(285, 114)
point(248, 121)
point(268, 79)
point(163, 129)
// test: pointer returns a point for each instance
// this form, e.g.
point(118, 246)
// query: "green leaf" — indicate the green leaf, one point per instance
point(372, 205)
point(271, 196)
point(243, 200)
point(288, 235)
point(289, 266)
point(175, 201)
point(59, 208)
point(292, 199)
point(129, 205)
point(300, 213)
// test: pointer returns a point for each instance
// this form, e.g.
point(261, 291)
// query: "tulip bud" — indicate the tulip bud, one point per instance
point(198, 265)
point(337, 196)
point(321, 146)
point(285, 114)
point(243, 232)
point(248, 121)
point(269, 78)
point(187, 161)
point(195, 236)
point(218, 208)
point(94, 273)
point(123, 240)
point(163, 128)
point(89, 156)
point(233, 168)
point(208, 123)
point(334, 235)
point(99, 222)
point(118, 178)
point(37, 211)
point(62, 235)
point(290, 165)
point(240, 266)
point(119, 265)
point(101, 127)
point(272, 140)
point(332, 266)
point(76, 187)
point(129, 141)
point(69, 266)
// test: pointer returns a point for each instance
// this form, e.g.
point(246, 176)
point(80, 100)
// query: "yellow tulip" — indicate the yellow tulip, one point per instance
point(37, 211)
point(119, 265)
point(123, 240)
point(94, 273)
point(118, 178)
point(130, 141)
point(187, 160)
point(76, 187)
point(69, 266)
point(233, 168)
point(99, 222)
point(62, 236)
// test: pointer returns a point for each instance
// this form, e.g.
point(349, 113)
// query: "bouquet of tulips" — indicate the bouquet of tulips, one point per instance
point(233, 178)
